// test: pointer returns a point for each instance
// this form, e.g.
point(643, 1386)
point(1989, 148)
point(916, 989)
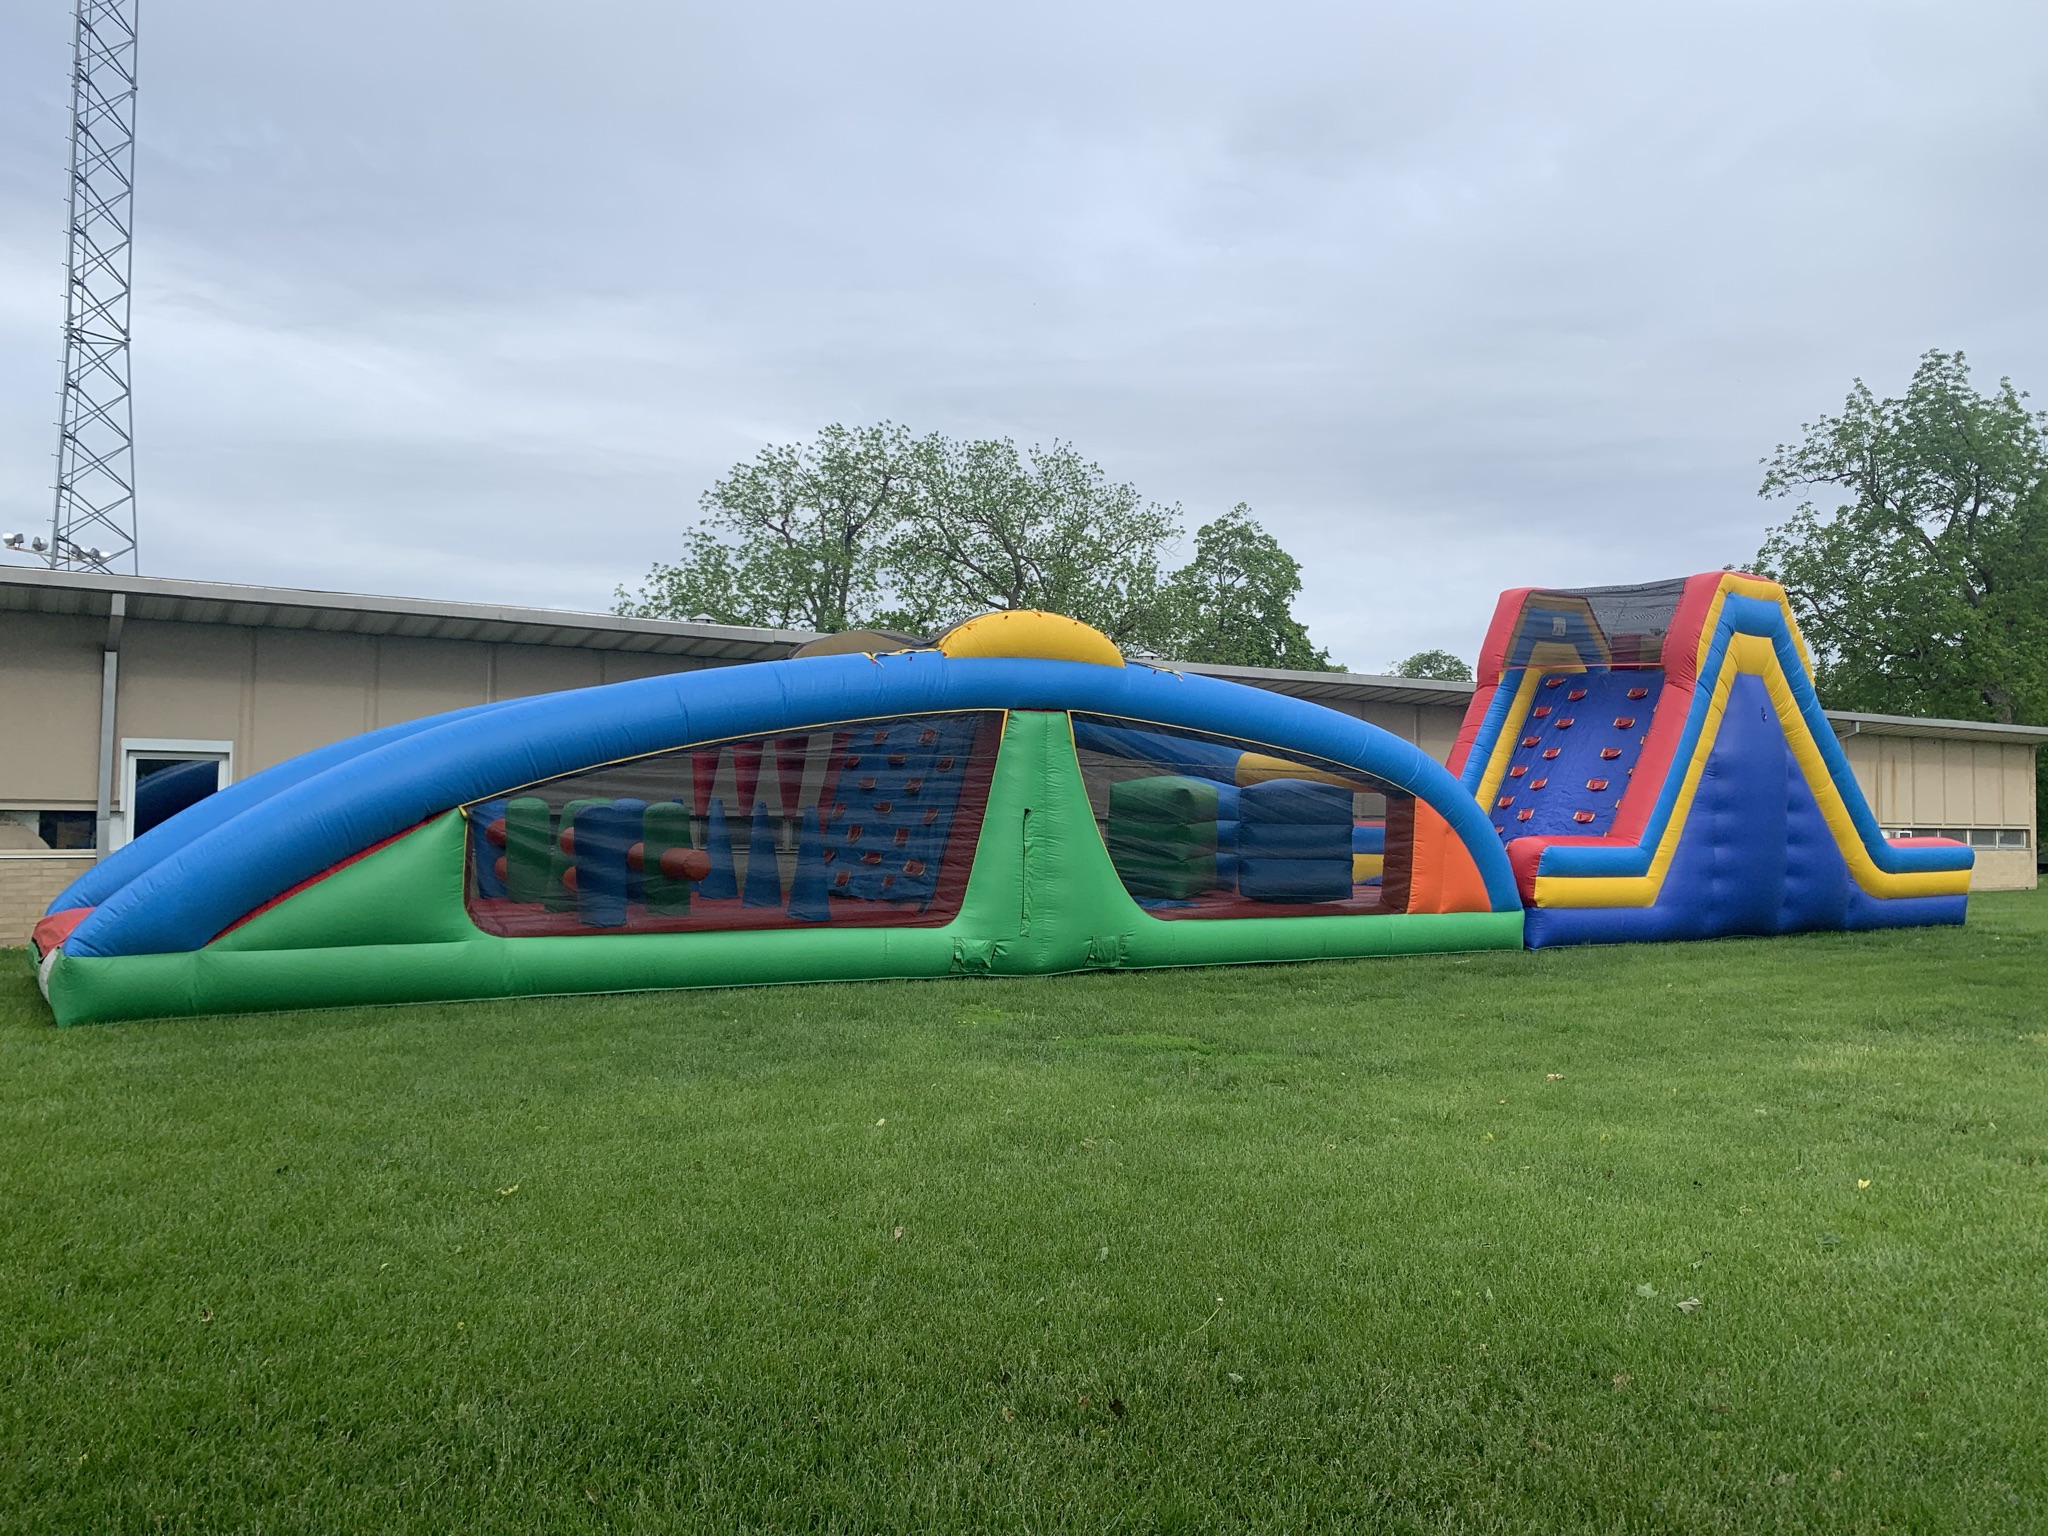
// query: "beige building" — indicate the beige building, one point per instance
point(106, 681)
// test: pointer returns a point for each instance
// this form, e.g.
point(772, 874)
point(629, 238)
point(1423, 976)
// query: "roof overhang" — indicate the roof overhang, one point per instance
point(1338, 688)
point(34, 590)
point(1849, 723)
point(213, 602)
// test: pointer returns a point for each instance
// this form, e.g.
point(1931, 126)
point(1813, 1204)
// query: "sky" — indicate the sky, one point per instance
point(474, 301)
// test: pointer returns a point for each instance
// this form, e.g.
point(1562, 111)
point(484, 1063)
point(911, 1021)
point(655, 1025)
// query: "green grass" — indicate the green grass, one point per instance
point(1322, 1247)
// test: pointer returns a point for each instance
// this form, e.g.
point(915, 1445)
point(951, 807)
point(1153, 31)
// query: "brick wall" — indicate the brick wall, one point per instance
point(2005, 869)
point(26, 886)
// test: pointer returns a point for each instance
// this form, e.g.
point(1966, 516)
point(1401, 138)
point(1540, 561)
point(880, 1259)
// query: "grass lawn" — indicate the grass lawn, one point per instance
point(1712, 1237)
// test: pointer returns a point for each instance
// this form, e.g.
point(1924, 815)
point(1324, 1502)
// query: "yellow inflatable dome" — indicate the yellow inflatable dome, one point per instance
point(1030, 632)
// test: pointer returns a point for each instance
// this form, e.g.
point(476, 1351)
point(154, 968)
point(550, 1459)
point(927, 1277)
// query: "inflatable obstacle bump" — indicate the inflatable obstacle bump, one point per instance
point(1162, 836)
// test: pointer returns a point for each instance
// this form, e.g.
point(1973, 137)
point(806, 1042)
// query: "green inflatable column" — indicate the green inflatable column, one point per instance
point(529, 835)
point(666, 825)
point(1043, 896)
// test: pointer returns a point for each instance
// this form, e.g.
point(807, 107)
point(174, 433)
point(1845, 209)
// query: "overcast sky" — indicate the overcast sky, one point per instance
point(474, 300)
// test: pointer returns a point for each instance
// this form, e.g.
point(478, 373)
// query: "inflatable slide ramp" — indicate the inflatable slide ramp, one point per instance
point(1657, 765)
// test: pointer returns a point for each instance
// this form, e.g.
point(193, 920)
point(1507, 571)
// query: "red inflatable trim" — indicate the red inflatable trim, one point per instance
point(53, 929)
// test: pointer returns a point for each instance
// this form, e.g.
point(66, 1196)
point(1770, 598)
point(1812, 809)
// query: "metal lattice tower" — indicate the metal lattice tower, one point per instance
point(94, 524)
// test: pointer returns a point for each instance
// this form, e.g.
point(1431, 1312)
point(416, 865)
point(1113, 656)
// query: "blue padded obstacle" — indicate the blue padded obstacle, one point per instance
point(722, 884)
point(809, 887)
point(764, 877)
point(602, 835)
point(1294, 841)
point(485, 852)
point(561, 890)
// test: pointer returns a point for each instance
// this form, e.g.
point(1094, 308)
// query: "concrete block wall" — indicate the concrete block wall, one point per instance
point(27, 885)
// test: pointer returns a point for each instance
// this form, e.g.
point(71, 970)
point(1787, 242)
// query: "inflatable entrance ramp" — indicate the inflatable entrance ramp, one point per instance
point(1012, 799)
point(1656, 764)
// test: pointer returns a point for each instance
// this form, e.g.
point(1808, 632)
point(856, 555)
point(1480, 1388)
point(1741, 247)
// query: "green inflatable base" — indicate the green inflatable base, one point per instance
point(1042, 899)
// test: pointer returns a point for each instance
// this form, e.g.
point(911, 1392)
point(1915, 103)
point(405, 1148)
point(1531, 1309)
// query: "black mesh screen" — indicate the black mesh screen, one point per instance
point(1607, 626)
point(867, 823)
point(1201, 826)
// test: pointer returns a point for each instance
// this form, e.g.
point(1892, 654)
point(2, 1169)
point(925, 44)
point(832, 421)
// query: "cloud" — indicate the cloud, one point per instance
point(475, 301)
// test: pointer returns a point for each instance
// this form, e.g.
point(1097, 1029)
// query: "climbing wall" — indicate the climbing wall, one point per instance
point(889, 806)
point(1576, 752)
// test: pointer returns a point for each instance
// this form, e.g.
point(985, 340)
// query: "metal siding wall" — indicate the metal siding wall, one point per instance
point(1924, 771)
point(1861, 751)
point(50, 699)
point(190, 681)
point(624, 666)
point(1959, 783)
point(1436, 730)
point(427, 677)
point(310, 689)
point(1432, 727)
point(520, 670)
point(1988, 788)
point(1915, 781)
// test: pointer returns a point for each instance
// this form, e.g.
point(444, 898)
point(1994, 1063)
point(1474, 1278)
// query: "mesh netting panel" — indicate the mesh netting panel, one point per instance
point(1602, 626)
point(1204, 826)
point(867, 823)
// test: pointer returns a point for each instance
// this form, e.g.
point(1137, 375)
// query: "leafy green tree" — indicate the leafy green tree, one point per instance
point(1925, 591)
point(993, 528)
point(796, 539)
point(870, 526)
point(1439, 665)
point(1234, 602)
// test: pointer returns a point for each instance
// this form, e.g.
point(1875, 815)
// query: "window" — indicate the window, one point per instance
point(36, 831)
point(2001, 838)
point(869, 823)
point(161, 777)
point(1202, 826)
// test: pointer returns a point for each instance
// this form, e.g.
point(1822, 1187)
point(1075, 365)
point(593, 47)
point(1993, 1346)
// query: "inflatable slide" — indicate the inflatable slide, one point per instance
point(1656, 765)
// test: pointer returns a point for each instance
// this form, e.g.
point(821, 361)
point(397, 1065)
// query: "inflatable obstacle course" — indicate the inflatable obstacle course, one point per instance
point(1637, 763)
point(920, 813)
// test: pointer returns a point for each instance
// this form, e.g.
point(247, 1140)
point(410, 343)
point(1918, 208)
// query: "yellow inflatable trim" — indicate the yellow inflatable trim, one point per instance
point(1367, 866)
point(1511, 727)
point(1030, 632)
point(1756, 655)
point(1763, 591)
point(1258, 767)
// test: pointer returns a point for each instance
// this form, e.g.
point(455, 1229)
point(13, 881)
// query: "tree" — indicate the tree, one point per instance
point(869, 526)
point(992, 528)
point(1440, 665)
point(1926, 592)
point(795, 539)
point(1233, 603)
